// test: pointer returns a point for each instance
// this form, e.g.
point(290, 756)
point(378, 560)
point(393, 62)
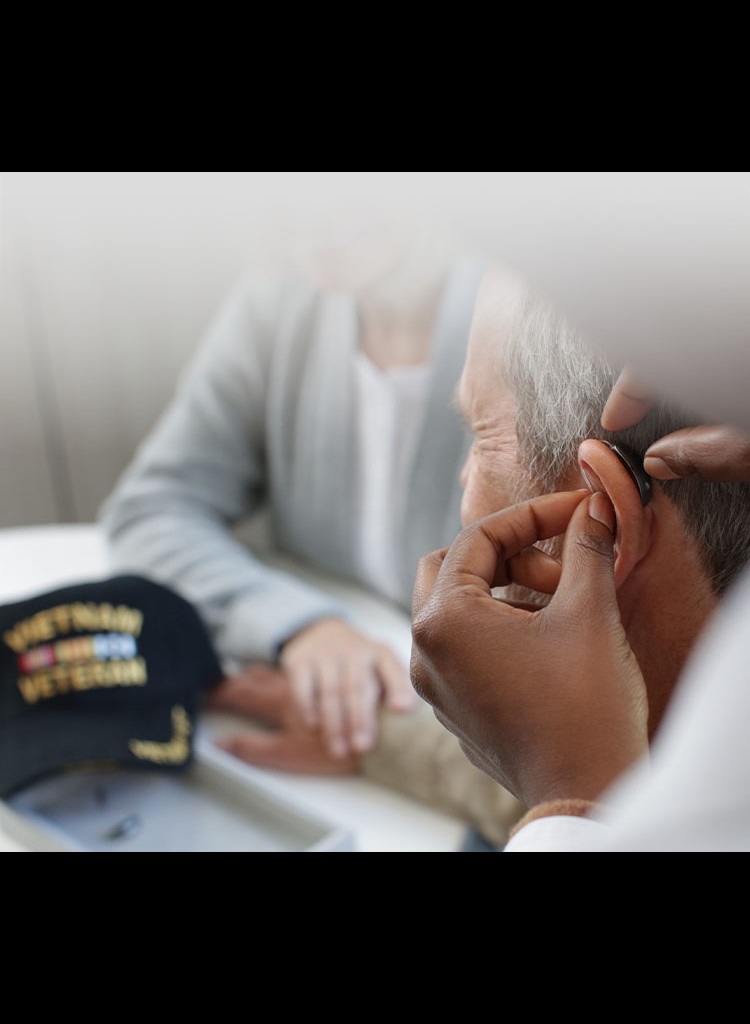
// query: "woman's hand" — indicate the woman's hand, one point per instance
point(340, 677)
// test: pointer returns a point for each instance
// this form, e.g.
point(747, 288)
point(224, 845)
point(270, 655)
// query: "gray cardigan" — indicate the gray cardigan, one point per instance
point(262, 418)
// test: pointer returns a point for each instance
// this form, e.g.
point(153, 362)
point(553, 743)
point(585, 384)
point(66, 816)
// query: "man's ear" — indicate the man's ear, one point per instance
point(603, 470)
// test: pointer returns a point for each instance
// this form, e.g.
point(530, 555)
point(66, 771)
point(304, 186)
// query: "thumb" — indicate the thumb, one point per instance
point(712, 452)
point(587, 578)
point(628, 402)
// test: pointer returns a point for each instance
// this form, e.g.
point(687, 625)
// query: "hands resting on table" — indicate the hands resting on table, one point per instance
point(414, 755)
point(277, 734)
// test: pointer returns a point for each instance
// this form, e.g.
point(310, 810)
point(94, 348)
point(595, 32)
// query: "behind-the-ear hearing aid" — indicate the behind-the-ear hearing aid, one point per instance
point(634, 465)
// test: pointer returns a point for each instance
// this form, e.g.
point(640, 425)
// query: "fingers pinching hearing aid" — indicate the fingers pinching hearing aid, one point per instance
point(634, 465)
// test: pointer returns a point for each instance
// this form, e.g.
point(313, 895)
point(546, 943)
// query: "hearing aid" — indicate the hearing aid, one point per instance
point(634, 465)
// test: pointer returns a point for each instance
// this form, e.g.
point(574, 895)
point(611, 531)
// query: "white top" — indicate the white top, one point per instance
point(390, 406)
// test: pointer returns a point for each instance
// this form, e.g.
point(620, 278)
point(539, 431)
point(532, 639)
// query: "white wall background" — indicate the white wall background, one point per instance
point(108, 280)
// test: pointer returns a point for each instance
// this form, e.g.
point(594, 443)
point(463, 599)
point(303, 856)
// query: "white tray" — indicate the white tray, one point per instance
point(212, 807)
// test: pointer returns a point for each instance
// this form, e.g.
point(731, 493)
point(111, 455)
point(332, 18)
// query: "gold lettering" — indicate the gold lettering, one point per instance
point(47, 687)
point(45, 626)
point(82, 617)
point(28, 689)
point(69, 618)
point(81, 677)
point(61, 617)
point(14, 639)
point(92, 675)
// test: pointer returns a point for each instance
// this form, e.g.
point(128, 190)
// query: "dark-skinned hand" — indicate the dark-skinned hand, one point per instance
point(708, 452)
point(551, 702)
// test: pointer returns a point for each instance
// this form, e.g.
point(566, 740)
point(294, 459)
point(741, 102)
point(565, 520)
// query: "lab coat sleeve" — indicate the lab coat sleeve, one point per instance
point(559, 834)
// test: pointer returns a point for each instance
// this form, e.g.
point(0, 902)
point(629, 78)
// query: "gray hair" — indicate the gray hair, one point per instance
point(560, 384)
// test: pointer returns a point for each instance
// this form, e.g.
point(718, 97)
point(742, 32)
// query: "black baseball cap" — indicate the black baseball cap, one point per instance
point(104, 673)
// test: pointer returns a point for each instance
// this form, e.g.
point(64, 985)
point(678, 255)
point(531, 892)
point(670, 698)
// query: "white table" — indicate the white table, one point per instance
point(39, 558)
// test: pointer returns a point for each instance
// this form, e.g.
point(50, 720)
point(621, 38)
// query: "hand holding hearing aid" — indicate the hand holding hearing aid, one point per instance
point(709, 452)
point(514, 685)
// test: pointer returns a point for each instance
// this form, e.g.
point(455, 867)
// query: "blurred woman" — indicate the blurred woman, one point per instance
point(322, 397)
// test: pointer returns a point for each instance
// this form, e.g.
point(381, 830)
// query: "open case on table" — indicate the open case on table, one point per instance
point(214, 806)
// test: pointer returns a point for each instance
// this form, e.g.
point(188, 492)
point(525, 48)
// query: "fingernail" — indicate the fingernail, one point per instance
point(362, 741)
point(593, 482)
point(601, 509)
point(658, 468)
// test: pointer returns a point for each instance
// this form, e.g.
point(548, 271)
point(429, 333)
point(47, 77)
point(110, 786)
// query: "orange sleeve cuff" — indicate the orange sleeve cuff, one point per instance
point(575, 808)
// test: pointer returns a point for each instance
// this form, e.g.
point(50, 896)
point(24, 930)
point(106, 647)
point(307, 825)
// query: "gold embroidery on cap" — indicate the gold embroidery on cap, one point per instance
point(94, 675)
point(73, 618)
point(52, 663)
point(176, 750)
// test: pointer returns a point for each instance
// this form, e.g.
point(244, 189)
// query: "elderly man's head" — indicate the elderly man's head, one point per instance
point(532, 393)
